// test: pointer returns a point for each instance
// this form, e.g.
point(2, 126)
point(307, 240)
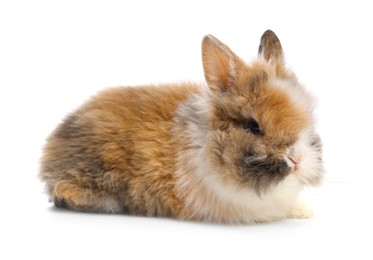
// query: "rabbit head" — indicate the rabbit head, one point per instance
point(261, 120)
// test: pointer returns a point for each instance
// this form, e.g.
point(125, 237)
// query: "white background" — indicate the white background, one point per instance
point(55, 54)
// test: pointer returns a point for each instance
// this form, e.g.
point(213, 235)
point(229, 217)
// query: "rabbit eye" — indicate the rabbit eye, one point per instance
point(253, 126)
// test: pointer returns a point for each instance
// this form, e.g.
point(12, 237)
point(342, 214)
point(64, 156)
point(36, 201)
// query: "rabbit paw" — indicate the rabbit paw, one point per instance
point(301, 211)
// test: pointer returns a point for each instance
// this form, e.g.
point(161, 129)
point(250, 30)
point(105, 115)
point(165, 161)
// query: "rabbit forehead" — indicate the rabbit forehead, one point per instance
point(296, 93)
point(280, 109)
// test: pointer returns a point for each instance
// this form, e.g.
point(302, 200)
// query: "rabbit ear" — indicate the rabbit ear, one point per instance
point(270, 48)
point(219, 63)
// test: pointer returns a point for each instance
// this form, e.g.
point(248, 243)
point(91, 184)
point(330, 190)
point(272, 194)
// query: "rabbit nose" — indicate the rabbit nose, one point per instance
point(296, 159)
point(293, 163)
point(295, 156)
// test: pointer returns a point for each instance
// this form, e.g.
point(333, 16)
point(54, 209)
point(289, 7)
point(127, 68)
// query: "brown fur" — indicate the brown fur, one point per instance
point(114, 149)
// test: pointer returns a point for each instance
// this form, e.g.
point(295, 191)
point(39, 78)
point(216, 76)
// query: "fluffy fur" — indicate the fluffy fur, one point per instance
point(238, 150)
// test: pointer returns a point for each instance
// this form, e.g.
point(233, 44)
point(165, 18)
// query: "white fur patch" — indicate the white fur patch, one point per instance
point(297, 93)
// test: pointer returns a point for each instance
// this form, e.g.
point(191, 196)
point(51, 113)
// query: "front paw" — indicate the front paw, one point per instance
point(301, 211)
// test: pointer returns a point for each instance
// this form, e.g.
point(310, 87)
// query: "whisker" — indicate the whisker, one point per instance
point(311, 192)
point(338, 182)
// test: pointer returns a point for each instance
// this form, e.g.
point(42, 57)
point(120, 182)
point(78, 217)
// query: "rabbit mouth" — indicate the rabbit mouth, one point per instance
point(263, 173)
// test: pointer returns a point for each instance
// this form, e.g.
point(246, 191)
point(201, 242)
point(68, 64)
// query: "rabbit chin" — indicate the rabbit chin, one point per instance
point(208, 196)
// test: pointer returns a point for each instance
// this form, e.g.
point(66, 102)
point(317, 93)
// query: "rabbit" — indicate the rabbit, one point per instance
point(237, 150)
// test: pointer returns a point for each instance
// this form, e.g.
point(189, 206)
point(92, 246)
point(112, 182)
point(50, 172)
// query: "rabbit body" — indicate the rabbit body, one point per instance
point(239, 150)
